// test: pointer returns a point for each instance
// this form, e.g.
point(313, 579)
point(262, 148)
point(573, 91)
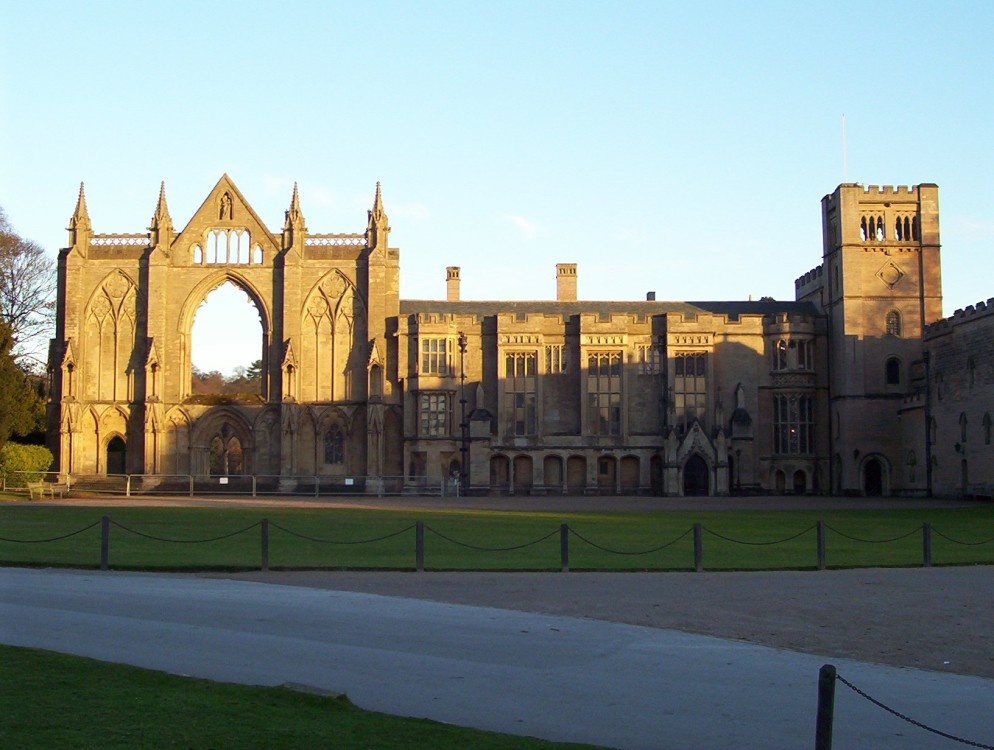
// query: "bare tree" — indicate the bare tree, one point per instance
point(27, 294)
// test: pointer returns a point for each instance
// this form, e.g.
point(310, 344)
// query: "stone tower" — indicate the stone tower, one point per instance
point(879, 284)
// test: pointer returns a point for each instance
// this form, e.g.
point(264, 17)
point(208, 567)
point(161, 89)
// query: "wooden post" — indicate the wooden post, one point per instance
point(927, 544)
point(564, 547)
point(821, 545)
point(698, 549)
point(264, 533)
point(419, 546)
point(826, 707)
point(104, 542)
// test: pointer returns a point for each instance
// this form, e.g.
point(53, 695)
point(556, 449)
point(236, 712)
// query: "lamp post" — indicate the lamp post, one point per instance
point(463, 424)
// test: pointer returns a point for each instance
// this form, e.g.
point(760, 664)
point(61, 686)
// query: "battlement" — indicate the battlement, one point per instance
point(962, 316)
point(814, 275)
point(891, 189)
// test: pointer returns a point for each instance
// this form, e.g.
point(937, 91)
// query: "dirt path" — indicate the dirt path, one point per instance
point(937, 618)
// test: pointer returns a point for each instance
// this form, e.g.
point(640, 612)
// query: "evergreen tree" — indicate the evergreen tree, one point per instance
point(19, 401)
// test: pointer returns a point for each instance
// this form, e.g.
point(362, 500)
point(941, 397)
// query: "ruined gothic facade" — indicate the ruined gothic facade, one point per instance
point(844, 390)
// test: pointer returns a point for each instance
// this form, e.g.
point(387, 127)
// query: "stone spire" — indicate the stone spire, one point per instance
point(80, 228)
point(293, 225)
point(378, 225)
point(161, 227)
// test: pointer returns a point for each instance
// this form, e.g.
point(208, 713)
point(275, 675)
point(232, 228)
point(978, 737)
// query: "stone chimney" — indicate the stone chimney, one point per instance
point(650, 296)
point(452, 283)
point(566, 282)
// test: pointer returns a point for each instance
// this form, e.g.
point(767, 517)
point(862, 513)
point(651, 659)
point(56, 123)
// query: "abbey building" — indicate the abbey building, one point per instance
point(858, 386)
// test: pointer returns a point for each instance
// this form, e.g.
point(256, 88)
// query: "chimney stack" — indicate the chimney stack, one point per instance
point(566, 282)
point(650, 296)
point(452, 284)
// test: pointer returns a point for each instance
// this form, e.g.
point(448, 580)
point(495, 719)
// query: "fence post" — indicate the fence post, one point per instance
point(564, 546)
point(264, 532)
point(253, 485)
point(127, 486)
point(821, 545)
point(826, 707)
point(191, 485)
point(419, 546)
point(927, 544)
point(698, 549)
point(104, 542)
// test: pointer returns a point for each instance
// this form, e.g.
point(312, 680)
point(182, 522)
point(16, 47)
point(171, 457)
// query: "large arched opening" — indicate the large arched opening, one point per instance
point(226, 329)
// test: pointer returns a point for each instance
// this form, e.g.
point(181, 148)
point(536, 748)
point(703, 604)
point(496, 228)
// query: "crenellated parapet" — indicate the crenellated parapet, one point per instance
point(967, 315)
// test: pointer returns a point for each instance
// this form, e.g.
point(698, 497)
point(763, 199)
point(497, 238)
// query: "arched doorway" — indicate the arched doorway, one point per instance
point(800, 482)
point(116, 452)
point(500, 474)
point(552, 474)
point(873, 478)
point(576, 475)
point(607, 468)
point(630, 475)
point(780, 482)
point(522, 474)
point(656, 474)
point(695, 476)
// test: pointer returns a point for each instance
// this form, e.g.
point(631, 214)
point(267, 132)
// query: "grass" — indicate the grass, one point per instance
point(156, 538)
point(50, 700)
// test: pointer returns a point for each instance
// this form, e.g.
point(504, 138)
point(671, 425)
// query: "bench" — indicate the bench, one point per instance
point(38, 488)
point(46, 488)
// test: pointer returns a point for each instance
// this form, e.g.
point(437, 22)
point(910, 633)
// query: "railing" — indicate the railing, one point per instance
point(564, 532)
point(252, 485)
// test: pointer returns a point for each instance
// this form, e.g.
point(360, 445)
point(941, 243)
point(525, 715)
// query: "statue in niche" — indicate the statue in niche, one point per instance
point(225, 212)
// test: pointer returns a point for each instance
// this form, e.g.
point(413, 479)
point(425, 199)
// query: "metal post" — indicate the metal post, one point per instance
point(191, 485)
point(698, 548)
point(564, 547)
point(127, 486)
point(927, 544)
point(104, 542)
point(253, 485)
point(821, 545)
point(264, 533)
point(419, 546)
point(826, 707)
point(463, 424)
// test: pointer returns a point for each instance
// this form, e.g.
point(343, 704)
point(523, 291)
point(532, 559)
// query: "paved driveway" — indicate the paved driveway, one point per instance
point(557, 677)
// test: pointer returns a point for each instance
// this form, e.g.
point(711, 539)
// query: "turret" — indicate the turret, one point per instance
point(293, 225)
point(80, 229)
point(378, 226)
point(161, 227)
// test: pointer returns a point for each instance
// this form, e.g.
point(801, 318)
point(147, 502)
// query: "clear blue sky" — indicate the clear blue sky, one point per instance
point(676, 147)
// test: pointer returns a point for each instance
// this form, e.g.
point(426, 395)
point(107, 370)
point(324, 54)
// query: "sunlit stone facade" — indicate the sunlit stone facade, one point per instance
point(826, 393)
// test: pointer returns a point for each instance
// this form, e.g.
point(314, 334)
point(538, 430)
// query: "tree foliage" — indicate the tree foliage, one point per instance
point(243, 380)
point(27, 293)
point(29, 461)
point(19, 400)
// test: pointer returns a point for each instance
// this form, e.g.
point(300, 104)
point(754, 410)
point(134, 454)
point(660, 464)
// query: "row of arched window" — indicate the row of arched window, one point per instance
point(228, 247)
point(873, 228)
point(964, 433)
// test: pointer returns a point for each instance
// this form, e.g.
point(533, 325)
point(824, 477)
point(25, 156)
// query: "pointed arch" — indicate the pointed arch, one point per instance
point(329, 327)
point(109, 322)
point(212, 280)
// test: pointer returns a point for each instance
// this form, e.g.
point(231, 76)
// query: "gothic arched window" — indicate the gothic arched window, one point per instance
point(334, 446)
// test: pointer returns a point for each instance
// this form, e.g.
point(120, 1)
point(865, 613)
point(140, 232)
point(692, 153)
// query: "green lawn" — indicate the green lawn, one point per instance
point(50, 700)
point(229, 538)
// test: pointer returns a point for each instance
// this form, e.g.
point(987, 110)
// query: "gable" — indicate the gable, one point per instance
point(225, 208)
